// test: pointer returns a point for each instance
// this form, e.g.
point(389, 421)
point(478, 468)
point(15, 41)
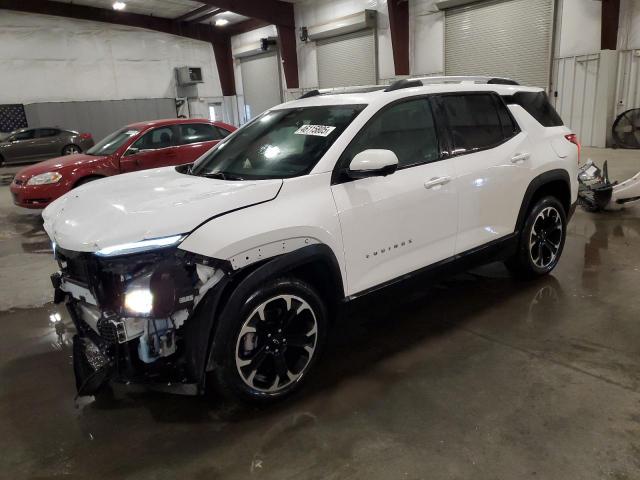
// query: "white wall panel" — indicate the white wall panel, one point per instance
point(579, 25)
point(45, 58)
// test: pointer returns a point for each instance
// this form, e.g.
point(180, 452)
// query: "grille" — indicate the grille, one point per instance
point(107, 330)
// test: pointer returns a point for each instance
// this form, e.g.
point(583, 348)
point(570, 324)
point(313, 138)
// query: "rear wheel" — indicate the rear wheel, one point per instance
point(541, 240)
point(273, 342)
point(71, 149)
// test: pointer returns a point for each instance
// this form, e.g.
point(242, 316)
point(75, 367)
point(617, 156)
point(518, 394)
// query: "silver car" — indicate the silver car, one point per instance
point(32, 144)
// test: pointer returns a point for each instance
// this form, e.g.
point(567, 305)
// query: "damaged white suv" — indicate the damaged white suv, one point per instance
point(230, 270)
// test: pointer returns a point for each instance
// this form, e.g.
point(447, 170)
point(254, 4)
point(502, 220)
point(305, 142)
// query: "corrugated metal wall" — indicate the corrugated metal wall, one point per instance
point(575, 82)
point(99, 117)
point(628, 84)
point(502, 38)
point(347, 60)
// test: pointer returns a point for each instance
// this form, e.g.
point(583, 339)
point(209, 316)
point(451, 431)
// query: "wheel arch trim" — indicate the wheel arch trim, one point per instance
point(535, 185)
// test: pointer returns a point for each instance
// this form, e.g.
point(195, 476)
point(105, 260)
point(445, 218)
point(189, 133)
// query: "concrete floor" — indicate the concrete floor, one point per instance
point(476, 377)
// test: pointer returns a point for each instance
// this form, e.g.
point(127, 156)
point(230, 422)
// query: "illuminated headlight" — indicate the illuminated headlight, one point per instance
point(138, 301)
point(141, 246)
point(45, 178)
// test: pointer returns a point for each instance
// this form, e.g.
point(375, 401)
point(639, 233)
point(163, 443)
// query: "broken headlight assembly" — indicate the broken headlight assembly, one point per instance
point(132, 302)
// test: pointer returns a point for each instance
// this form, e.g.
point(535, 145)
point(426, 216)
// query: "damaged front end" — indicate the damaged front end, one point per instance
point(140, 317)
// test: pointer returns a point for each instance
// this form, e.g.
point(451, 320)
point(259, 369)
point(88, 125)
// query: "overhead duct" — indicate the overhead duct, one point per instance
point(264, 45)
point(340, 26)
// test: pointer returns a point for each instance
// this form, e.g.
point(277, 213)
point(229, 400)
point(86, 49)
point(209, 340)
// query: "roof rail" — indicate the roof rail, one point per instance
point(404, 83)
point(343, 90)
point(466, 79)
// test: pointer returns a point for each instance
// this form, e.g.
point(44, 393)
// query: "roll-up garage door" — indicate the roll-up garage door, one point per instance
point(508, 38)
point(260, 83)
point(347, 60)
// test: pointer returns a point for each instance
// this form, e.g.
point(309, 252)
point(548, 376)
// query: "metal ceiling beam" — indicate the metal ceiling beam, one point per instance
point(244, 26)
point(197, 11)
point(272, 11)
point(399, 23)
point(206, 16)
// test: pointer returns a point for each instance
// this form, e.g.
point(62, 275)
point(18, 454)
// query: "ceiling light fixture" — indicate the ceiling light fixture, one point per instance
point(221, 22)
point(119, 5)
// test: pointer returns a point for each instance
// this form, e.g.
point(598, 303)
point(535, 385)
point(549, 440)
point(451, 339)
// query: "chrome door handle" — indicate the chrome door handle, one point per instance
point(435, 181)
point(520, 157)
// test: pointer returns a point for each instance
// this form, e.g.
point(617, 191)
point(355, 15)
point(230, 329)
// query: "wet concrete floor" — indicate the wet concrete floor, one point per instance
point(477, 376)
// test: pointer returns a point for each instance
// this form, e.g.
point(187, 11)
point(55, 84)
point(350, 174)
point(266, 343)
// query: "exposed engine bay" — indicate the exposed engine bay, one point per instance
point(132, 315)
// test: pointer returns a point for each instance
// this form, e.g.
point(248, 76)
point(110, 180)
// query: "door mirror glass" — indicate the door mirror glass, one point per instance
point(373, 163)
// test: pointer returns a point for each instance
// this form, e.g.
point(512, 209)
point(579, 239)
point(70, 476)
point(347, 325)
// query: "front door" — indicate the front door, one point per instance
point(400, 223)
point(156, 148)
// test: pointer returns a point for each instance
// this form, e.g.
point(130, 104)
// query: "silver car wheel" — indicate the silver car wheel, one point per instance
point(276, 343)
point(545, 237)
point(71, 150)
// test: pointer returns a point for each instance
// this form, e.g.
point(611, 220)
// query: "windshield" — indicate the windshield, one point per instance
point(113, 142)
point(278, 144)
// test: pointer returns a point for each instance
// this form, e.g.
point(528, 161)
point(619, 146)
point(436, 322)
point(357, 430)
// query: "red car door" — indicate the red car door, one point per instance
point(156, 148)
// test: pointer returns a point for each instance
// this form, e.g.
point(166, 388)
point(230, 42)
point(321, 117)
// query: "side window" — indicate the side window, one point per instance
point(473, 121)
point(161, 137)
point(223, 133)
point(538, 106)
point(47, 132)
point(198, 132)
point(406, 128)
point(26, 135)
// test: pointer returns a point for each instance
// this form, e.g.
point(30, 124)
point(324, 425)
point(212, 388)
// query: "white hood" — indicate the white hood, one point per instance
point(148, 204)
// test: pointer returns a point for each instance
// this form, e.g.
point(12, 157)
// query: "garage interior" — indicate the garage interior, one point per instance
point(476, 376)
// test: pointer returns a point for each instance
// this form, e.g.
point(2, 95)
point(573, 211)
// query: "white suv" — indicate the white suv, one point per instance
point(231, 269)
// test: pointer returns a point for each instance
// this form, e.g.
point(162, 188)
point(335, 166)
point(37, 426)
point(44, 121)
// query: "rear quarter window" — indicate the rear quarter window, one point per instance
point(538, 106)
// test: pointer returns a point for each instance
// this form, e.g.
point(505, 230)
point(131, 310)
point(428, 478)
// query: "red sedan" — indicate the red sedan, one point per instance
point(159, 143)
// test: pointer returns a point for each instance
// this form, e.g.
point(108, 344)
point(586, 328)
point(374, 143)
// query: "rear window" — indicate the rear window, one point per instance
point(538, 106)
point(474, 121)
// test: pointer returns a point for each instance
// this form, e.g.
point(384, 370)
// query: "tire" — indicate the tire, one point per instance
point(71, 149)
point(269, 351)
point(84, 181)
point(541, 240)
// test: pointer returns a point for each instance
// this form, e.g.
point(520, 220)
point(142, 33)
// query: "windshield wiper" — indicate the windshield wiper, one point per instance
point(222, 176)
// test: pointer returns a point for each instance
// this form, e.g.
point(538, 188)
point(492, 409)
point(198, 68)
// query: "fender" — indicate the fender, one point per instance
point(535, 185)
point(227, 298)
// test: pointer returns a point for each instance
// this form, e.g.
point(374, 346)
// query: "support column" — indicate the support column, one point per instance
point(224, 62)
point(399, 23)
point(610, 19)
point(287, 39)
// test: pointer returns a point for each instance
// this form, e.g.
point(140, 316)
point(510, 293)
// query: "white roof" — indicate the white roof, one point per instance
point(380, 97)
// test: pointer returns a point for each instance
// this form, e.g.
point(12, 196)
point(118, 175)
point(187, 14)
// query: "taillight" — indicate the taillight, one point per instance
point(573, 138)
point(86, 136)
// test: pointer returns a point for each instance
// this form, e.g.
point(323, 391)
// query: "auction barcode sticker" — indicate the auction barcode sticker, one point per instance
point(317, 130)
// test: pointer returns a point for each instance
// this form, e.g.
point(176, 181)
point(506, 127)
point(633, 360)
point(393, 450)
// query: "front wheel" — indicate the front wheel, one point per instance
point(273, 341)
point(541, 240)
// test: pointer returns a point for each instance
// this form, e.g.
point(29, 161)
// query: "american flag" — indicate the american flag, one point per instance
point(12, 117)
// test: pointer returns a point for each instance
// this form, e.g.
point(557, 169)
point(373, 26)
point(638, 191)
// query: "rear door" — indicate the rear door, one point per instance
point(492, 161)
point(156, 148)
point(399, 223)
point(196, 139)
